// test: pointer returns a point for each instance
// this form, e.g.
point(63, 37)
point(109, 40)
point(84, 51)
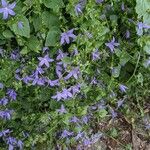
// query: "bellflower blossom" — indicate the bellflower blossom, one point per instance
point(65, 37)
point(95, 55)
point(79, 7)
point(12, 94)
point(59, 70)
point(140, 27)
point(7, 9)
point(62, 110)
point(6, 114)
point(127, 34)
point(123, 88)
point(75, 89)
point(120, 103)
point(45, 61)
point(4, 101)
point(99, 1)
point(53, 82)
point(4, 133)
point(66, 93)
point(74, 119)
point(66, 133)
point(79, 135)
point(58, 96)
point(113, 113)
point(61, 55)
point(111, 45)
point(75, 73)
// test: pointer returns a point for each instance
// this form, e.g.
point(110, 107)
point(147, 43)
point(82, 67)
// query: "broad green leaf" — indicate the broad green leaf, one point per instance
point(142, 8)
point(33, 44)
point(25, 30)
point(50, 19)
point(37, 22)
point(52, 37)
point(53, 4)
point(8, 34)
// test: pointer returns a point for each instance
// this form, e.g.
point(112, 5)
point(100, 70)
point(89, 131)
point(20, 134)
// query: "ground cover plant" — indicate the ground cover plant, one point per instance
point(71, 68)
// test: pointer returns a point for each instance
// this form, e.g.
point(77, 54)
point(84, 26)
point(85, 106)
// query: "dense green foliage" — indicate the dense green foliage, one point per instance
point(35, 30)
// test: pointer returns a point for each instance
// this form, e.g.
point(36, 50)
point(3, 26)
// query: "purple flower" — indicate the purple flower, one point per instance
point(15, 55)
point(147, 126)
point(62, 110)
point(53, 82)
point(45, 60)
point(27, 79)
point(111, 45)
point(4, 101)
point(87, 142)
point(66, 93)
point(38, 71)
point(65, 37)
point(20, 144)
point(45, 49)
point(7, 9)
point(99, 1)
point(79, 135)
point(113, 113)
point(59, 71)
point(75, 89)
point(127, 34)
point(11, 147)
point(1, 86)
point(38, 81)
point(95, 55)
point(12, 94)
point(140, 27)
point(94, 81)
point(75, 72)
point(58, 96)
point(122, 6)
point(66, 133)
point(85, 119)
point(20, 24)
point(123, 88)
point(75, 52)
point(120, 103)
point(78, 9)
point(4, 132)
point(6, 114)
point(61, 55)
point(74, 119)
point(11, 141)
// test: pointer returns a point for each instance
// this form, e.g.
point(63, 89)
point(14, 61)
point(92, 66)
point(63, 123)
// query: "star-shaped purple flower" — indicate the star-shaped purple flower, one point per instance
point(95, 55)
point(45, 60)
point(7, 9)
point(65, 37)
point(123, 88)
point(12, 94)
point(62, 110)
point(111, 45)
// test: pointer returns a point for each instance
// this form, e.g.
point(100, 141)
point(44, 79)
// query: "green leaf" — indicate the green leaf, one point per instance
point(33, 44)
point(37, 22)
point(25, 30)
point(142, 8)
point(102, 113)
point(52, 37)
point(116, 71)
point(53, 4)
point(50, 19)
point(8, 34)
